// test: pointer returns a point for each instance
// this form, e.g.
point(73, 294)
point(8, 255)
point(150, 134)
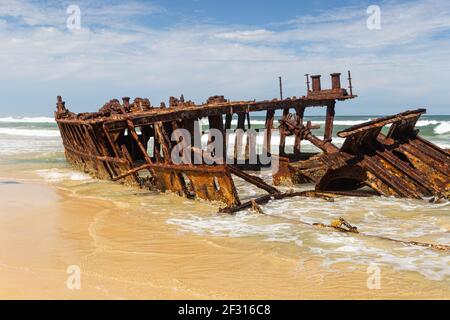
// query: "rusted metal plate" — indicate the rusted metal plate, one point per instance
point(400, 164)
point(202, 182)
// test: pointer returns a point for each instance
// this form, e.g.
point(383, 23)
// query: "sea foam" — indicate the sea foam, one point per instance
point(27, 120)
point(57, 175)
point(29, 132)
point(442, 128)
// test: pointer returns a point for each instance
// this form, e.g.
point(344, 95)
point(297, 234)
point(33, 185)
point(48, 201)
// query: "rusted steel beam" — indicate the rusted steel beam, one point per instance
point(407, 170)
point(432, 150)
point(135, 136)
point(185, 157)
point(288, 124)
point(112, 143)
point(103, 148)
point(300, 113)
point(96, 150)
point(202, 111)
point(198, 112)
point(388, 175)
point(270, 115)
point(239, 135)
point(381, 122)
point(253, 180)
point(142, 149)
point(328, 196)
point(132, 171)
point(430, 164)
point(329, 122)
point(77, 142)
point(90, 146)
point(216, 123)
point(91, 156)
point(164, 141)
point(283, 133)
point(157, 146)
point(133, 178)
point(250, 146)
point(126, 165)
point(193, 126)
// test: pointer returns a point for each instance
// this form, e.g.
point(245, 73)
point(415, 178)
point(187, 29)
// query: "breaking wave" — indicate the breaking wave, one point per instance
point(341, 122)
point(27, 120)
point(29, 132)
point(442, 128)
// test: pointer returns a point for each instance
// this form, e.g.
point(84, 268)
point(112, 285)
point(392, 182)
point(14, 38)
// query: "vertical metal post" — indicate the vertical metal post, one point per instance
point(329, 121)
point(281, 88)
point(300, 113)
point(350, 83)
point(239, 135)
point(307, 83)
point(268, 134)
point(282, 150)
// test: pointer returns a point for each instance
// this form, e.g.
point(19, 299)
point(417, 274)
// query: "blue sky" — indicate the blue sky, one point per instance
point(201, 48)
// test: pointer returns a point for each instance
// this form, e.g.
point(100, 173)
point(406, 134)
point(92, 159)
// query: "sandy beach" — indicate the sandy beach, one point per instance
point(136, 139)
point(126, 250)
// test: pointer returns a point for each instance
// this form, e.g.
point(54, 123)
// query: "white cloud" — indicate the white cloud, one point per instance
point(250, 35)
point(116, 54)
point(53, 13)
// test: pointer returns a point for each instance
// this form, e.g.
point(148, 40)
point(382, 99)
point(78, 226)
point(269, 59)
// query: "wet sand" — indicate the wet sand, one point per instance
point(131, 243)
point(129, 252)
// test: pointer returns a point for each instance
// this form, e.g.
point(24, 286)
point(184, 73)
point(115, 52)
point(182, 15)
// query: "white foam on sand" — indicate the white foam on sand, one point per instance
point(281, 225)
point(240, 225)
point(58, 175)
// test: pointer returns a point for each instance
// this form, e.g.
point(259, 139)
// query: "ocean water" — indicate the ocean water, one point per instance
point(33, 145)
point(40, 134)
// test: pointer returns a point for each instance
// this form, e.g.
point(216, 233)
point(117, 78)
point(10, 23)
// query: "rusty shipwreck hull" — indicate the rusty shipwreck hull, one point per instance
point(131, 143)
point(399, 164)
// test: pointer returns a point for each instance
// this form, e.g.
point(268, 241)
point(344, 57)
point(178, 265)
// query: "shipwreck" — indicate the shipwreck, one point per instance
point(133, 143)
